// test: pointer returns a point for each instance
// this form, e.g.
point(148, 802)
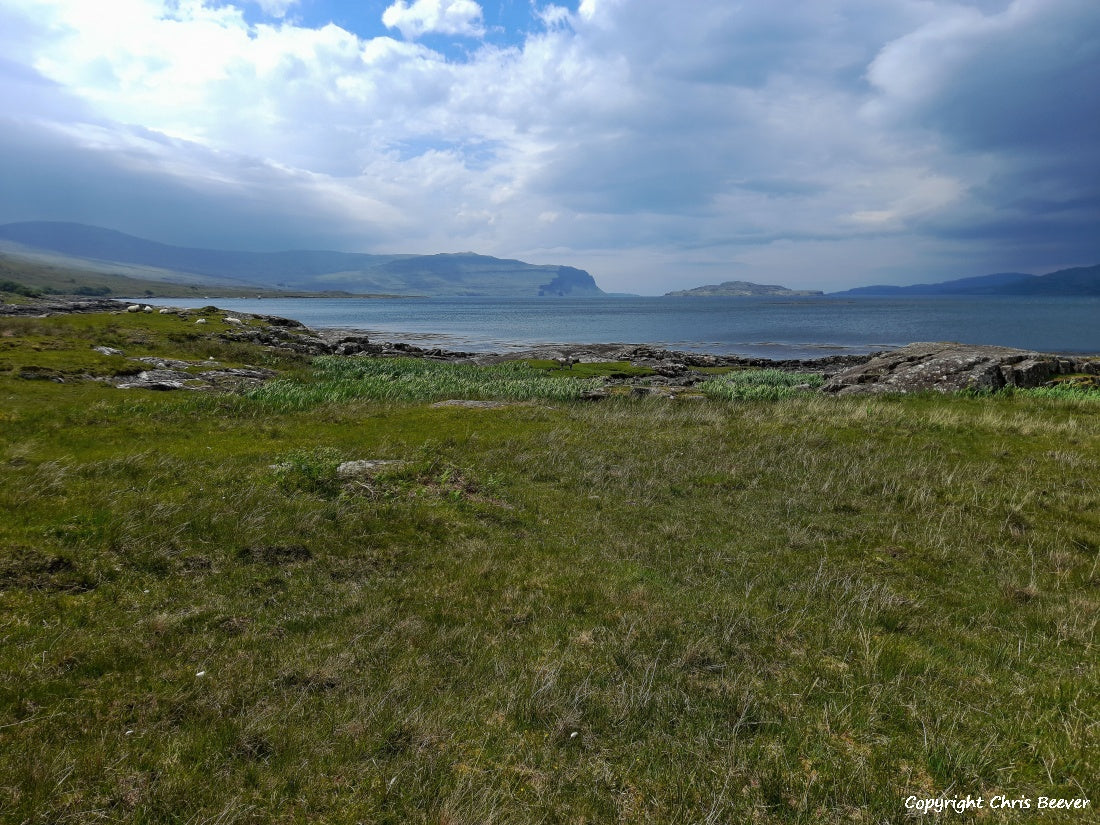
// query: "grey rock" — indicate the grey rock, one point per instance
point(158, 380)
point(234, 379)
point(279, 338)
point(595, 395)
point(165, 363)
point(366, 467)
point(62, 306)
point(108, 350)
point(951, 367)
point(352, 345)
point(669, 369)
point(258, 373)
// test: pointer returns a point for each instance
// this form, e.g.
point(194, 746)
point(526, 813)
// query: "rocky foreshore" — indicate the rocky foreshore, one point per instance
point(919, 367)
point(952, 367)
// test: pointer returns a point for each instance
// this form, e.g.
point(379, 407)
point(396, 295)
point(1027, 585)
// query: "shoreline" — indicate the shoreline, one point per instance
point(351, 341)
point(917, 367)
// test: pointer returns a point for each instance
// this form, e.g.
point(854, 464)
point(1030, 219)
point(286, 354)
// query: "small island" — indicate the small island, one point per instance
point(737, 289)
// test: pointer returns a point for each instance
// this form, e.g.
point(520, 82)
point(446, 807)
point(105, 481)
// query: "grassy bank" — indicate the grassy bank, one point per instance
point(802, 610)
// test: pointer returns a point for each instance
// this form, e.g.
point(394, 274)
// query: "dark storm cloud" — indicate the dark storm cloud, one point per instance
point(1018, 94)
point(161, 189)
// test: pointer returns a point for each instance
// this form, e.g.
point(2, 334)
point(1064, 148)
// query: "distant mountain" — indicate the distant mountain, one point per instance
point(1076, 281)
point(738, 288)
point(1081, 280)
point(446, 275)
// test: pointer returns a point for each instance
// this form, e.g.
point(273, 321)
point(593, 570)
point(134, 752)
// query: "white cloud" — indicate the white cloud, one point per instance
point(635, 139)
point(276, 8)
point(461, 17)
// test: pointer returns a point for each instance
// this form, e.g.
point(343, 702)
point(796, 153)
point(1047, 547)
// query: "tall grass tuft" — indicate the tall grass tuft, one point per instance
point(760, 385)
point(411, 379)
point(1066, 391)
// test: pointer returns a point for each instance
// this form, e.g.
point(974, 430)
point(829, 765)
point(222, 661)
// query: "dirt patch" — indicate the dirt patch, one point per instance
point(28, 568)
point(274, 554)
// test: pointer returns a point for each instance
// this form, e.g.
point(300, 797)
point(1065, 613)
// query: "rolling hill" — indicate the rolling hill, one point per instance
point(82, 247)
point(1076, 281)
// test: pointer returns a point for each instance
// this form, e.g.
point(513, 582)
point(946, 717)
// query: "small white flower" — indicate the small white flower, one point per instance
point(201, 673)
point(573, 735)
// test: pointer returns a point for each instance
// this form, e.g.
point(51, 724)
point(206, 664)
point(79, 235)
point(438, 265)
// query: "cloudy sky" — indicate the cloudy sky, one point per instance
point(658, 144)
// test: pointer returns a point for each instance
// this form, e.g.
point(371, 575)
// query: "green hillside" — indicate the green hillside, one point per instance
point(93, 248)
point(20, 276)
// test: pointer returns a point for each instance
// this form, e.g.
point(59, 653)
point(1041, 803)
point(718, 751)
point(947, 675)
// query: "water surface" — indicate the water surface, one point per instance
point(770, 327)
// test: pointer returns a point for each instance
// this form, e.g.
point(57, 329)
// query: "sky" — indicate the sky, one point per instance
point(660, 145)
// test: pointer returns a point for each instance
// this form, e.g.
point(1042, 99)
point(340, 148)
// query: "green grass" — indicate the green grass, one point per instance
point(760, 385)
point(1072, 388)
point(339, 379)
point(64, 345)
point(628, 611)
point(596, 369)
point(17, 290)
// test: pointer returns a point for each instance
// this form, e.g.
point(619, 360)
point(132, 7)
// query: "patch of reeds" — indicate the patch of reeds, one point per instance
point(415, 379)
point(760, 385)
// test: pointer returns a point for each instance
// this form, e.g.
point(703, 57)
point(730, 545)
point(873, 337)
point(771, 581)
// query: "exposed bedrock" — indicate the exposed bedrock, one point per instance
point(950, 367)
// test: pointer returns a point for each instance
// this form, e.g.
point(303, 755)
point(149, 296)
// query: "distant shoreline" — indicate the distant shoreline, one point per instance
point(505, 346)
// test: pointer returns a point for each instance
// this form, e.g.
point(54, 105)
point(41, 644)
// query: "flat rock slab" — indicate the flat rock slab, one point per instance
point(158, 380)
point(173, 379)
point(951, 367)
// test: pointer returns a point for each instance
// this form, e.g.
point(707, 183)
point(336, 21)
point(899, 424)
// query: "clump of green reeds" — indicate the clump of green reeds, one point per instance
point(413, 379)
point(760, 385)
point(1066, 390)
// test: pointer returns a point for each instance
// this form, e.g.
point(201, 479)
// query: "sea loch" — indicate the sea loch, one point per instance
point(769, 327)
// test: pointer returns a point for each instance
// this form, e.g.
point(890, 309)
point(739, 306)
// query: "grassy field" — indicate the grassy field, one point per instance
point(637, 610)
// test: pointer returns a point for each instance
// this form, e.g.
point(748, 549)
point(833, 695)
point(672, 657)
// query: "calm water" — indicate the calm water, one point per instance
point(795, 327)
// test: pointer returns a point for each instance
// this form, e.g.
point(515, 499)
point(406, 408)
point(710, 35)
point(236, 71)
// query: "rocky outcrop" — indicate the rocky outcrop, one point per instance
point(62, 306)
point(950, 367)
point(173, 376)
point(671, 363)
point(280, 338)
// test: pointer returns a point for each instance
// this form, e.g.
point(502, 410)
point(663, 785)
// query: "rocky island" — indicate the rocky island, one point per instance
point(738, 289)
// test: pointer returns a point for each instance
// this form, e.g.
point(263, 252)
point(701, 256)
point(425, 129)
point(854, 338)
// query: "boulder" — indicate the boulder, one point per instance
point(951, 367)
point(367, 467)
point(352, 345)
